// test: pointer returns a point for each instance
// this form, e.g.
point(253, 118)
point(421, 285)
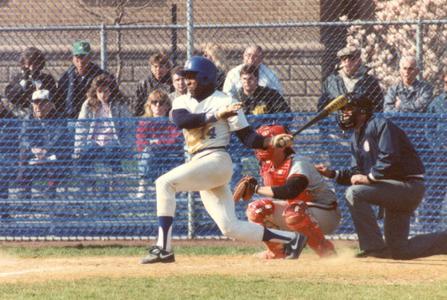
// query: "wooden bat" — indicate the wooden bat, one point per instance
point(333, 106)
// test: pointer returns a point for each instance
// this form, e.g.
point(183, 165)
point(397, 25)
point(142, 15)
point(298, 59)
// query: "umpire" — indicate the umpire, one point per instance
point(386, 171)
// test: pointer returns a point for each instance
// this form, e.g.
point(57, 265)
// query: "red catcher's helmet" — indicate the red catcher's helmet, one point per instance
point(268, 131)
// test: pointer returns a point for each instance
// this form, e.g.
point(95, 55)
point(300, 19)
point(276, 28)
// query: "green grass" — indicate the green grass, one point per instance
point(216, 287)
point(80, 250)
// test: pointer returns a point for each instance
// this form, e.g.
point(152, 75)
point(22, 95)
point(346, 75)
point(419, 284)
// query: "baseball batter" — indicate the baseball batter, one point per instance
point(207, 118)
point(298, 197)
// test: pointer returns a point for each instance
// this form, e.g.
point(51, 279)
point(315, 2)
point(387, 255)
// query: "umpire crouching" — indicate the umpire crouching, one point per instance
point(386, 171)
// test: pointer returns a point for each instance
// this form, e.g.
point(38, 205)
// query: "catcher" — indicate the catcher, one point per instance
point(302, 200)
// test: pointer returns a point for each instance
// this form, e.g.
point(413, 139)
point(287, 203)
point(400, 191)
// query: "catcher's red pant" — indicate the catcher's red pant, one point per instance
point(298, 217)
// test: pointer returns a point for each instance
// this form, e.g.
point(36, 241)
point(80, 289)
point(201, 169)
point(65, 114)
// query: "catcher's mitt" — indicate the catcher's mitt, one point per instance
point(245, 188)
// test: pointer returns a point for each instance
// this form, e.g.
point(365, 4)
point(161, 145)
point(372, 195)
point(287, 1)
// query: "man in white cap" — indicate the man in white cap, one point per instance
point(46, 145)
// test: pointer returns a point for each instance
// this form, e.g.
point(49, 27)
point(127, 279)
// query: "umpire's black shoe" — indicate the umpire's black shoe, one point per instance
point(377, 253)
point(294, 248)
point(157, 254)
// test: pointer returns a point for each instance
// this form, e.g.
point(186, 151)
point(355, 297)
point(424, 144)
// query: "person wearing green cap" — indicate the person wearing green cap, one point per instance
point(76, 80)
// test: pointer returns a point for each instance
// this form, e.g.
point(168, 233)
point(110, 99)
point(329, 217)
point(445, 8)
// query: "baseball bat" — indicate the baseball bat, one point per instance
point(333, 106)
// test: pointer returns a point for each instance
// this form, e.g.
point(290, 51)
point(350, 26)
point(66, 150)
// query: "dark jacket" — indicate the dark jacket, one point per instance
point(10, 129)
point(20, 94)
point(145, 87)
point(72, 90)
point(383, 150)
point(50, 134)
point(263, 101)
point(368, 85)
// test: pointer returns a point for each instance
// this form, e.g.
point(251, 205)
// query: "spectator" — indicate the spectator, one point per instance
point(155, 139)
point(10, 127)
point(159, 78)
point(439, 103)
point(30, 79)
point(103, 134)
point(253, 55)
point(351, 77)
point(259, 99)
point(409, 94)
point(45, 145)
point(179, 83)
point(75, 82)
point(386, 171)
point(216, 54)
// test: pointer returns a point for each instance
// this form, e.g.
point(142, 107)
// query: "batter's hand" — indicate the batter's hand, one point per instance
point(360, 179)
point(282, 140)
point(228, 111)
point(325, 171)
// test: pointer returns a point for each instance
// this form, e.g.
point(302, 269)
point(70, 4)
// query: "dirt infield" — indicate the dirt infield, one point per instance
point(344, 268)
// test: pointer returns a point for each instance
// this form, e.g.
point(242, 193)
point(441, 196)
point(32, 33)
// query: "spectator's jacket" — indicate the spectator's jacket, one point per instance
point(381, 150)
point(158, 133)
point(368, 85)
point(10, 131)
point(19, 91)
point(264, 100)
point(439, 104)
point(267, 78)
point(121, 119)
point(415, 98)
point(145, 87)
point(220, 79)
point(72, 90)
point(50, 134)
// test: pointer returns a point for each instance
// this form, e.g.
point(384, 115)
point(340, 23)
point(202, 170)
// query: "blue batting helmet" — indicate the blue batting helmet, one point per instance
point(205, 70)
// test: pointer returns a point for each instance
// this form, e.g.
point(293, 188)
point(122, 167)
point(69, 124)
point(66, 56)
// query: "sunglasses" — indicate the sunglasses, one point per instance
point(158, 102)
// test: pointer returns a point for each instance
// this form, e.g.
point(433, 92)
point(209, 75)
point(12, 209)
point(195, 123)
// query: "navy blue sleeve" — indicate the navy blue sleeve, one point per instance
point(184, 119)
point(250, 138)
point(389, 152)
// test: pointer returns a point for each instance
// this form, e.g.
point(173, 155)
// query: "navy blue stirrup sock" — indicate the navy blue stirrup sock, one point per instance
point(165, 224)
point(270, 235)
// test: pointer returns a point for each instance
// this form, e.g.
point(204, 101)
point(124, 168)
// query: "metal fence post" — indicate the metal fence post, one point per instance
point(189, 50)
point(189, 28)
point(419, 48)
point(103, 50)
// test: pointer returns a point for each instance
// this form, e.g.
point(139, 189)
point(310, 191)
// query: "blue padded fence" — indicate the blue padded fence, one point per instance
point(63, 194)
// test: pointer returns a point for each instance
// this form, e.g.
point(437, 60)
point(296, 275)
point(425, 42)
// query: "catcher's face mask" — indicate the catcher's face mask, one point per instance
point(268, 131)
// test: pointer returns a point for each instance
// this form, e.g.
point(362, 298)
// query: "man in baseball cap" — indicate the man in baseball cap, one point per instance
point(42, 104)
point(81, 48)
point(348, 52)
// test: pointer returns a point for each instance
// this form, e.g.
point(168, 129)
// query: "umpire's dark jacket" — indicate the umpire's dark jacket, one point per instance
point(382, 150)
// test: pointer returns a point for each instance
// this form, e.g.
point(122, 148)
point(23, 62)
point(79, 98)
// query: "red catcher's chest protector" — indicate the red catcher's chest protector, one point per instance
point(278, 176)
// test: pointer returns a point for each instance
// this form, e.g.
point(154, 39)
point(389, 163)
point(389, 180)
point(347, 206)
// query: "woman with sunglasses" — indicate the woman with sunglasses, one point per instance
point(157, 139)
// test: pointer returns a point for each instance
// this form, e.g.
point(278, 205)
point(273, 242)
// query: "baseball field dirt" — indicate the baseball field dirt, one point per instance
point(343, 268)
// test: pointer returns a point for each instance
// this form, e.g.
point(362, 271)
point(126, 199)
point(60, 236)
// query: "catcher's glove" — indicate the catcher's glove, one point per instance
point(245, 188)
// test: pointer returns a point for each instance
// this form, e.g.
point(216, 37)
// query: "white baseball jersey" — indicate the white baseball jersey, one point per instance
point(317, 186)
point(216, 134)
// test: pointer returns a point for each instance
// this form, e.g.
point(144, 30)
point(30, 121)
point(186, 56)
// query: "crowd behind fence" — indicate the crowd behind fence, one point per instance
point(59, 192)
point(103, 203)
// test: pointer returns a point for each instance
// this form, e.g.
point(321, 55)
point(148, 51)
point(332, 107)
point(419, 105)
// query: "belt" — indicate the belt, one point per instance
point(331, 206)
point(209, 148)
point(414, 178)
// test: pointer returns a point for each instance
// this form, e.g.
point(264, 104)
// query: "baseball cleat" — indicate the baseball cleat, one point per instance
point(294, 248)
point(157, 254)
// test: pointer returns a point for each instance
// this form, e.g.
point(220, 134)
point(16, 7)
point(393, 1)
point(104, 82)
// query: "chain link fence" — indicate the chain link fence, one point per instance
point(299, 41)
